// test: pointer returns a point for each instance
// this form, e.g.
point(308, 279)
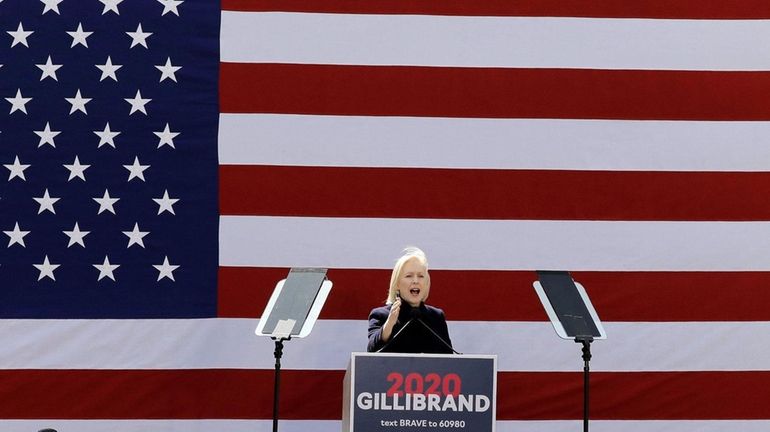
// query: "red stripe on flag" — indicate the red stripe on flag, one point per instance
point(167, 394)
point(247, 394)
point(693, 9)
point(633, 395)
point(657, 296)
point(495, 194)
point(493, 92)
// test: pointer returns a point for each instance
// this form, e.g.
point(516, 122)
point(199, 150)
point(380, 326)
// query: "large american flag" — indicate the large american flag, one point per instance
point(167, 161)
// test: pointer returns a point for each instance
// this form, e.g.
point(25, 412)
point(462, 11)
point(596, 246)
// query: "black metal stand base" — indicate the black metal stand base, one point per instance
point(586, 341)
point(276, 388)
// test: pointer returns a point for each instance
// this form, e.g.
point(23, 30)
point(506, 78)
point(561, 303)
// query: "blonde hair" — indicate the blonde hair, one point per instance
point(409, 253)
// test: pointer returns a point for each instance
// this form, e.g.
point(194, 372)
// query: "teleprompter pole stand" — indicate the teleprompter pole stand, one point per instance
point(276, 388)
point(292, 311)
point(586, 341)
point(573, 317)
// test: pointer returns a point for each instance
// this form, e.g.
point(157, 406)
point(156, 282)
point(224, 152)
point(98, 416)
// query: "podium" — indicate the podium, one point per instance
point(419, 392)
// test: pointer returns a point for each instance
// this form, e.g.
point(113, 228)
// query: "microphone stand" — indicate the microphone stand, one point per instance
point(392, 338)
point(414, 315)
point(437, 336)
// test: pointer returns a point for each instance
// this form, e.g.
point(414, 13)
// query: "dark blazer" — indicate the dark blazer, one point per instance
point(415, 338)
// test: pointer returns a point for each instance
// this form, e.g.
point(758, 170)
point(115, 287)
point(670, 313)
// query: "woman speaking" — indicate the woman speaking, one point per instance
point(406, 324)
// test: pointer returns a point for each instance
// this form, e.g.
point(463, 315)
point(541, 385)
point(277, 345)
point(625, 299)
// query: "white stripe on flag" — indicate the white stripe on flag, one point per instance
point(231, 344)
point(351, 141)
point(494, 244)
point(334, 426)
point(601, 43)
point(169, 425)
point(636, 426)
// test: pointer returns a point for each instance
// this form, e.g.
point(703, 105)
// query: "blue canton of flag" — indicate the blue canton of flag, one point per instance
point(108, 129)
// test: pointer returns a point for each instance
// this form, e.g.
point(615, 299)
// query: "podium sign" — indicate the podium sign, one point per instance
point(419, 392)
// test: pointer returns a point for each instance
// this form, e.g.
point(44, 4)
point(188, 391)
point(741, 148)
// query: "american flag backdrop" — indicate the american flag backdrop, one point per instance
point(167, 161)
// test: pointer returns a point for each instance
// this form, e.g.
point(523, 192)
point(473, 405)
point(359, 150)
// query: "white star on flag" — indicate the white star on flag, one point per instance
point(137, 103)
point(78, 103)
point(77, 169)
point(108, 70)
point(139, 37)
point(47, 135)
point(46, 202)
point(170, 6)
point(136, 170)
point(76, 236)
point(16, 236)
point(111, 5)
point(20, 36)
point(165, 203)
point(168, 70)
point(51, 5)
point(79, 36)
point(135, 236)
point(106, 269)
point(18, 103)
point(166, 137)
point(106, 202)
point(106, 136)
point(166, 269)
point(46, 269)
point(49, 69)
point(17, 169)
